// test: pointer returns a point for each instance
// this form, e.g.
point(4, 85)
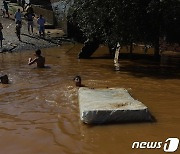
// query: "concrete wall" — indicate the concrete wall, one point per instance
point(48, 14)
point(60, 9)
point(58, 14)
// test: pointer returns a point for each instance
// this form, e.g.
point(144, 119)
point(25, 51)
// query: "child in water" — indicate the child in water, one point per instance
point(77, 80)
point(39, 60)
point(4, 79)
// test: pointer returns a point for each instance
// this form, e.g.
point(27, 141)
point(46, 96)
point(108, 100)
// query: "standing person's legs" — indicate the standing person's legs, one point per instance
point(18, 31)
point(43, 30)
point(19, 35)
point(1, 43)
point(1, 38)
point(7, 12)
point(39, 30)
point(31, 25)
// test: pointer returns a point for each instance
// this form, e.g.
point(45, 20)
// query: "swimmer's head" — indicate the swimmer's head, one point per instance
point(4, 79)
point(38, 52)
point(77, 80)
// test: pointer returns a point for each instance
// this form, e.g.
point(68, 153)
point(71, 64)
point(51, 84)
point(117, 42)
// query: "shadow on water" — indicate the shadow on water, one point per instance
point(143, 65)
point(152, 71)
point(153, 120)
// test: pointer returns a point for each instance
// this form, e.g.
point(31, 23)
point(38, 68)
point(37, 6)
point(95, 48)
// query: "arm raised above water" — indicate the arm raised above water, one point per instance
point(30, 62)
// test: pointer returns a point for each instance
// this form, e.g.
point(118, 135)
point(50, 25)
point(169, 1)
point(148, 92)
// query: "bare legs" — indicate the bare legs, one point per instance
point(30, 27)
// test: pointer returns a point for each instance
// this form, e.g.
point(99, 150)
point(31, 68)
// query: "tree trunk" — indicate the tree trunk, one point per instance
point(156, 48)
point(131, 48)
point(116, 57)
point(88, 49)
point(157, 30)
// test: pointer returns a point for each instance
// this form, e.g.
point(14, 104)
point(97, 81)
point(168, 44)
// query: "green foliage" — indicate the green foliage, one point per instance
point(171, 20)
point(128, 21)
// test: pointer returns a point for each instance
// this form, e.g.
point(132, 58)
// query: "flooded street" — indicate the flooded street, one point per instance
point(39, 110)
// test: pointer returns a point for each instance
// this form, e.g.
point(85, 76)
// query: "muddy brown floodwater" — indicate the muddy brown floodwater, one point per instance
point(39, 111)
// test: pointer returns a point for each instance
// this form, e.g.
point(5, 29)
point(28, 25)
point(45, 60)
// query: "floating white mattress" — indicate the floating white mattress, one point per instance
point(98, 106)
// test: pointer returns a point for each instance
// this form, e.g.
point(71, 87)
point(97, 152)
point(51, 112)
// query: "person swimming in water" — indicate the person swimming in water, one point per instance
point(39, 60)
point(77, 80)
point(4, 79)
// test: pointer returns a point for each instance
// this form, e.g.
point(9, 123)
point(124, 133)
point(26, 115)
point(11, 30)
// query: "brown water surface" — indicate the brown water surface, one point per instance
point(39, 110)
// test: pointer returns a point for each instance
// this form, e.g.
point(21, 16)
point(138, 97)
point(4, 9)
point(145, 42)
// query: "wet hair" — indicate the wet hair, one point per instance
point(4, 79)
point(77, 78)
point(38, 52)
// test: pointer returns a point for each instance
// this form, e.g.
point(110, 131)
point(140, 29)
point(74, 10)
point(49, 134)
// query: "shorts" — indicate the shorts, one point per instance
point(41, 29)
point(7, 10)
point(18, 22)
point(30, 23)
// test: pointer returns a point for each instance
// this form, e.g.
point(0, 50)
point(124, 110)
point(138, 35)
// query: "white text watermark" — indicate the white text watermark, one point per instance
point(170, 145)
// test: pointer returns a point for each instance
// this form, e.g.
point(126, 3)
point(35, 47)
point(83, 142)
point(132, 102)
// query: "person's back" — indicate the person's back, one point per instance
point(5, 5)
point(41, 21)
point(39, 60)
point(30, 16)
point(18, 16)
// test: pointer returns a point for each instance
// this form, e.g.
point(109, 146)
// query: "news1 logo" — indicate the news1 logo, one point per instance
point(170, 145)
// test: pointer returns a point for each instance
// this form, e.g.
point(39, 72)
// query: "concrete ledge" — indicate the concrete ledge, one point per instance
point(98, 106)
